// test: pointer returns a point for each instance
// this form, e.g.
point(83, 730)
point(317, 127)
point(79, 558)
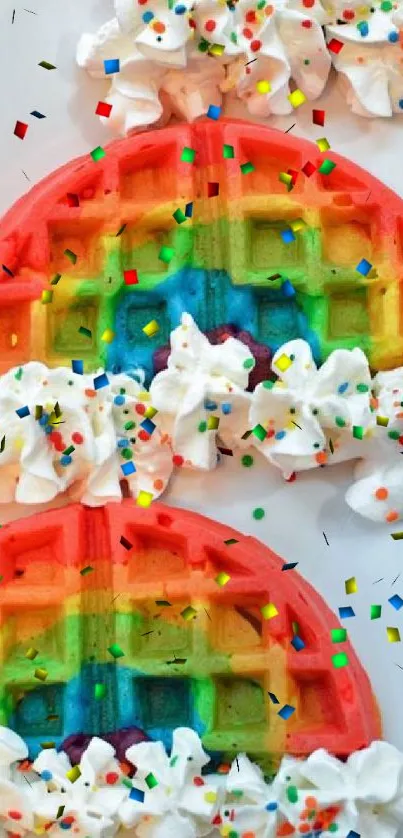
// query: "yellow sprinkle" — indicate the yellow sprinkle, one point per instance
point(151, 328)
point(216, 49)
point(393, 634)
point(296, 98)
point(210, 796)
point(269, 611)
point(263, 86)
point(14, 339)
point(213, 423)
point(283, 362)
point(351, 585)
point(47, 296)
point(31, 653)
point(297, 224)
point(41, 674)
point(108, 336)
point(73, 774)
point(143, 396)
point(150, 412)
point(285, 178)
point(222, 578)
point(225, 830)
point(188, 613)
point(323, 144)
point(144, 499)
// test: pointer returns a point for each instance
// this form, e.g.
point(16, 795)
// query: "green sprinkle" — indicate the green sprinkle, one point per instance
point(188, 154)
point(333, 827)
point(246, 168)
point(338, 635)
point(47, 66)
point(397, 536)
point(128, 426)
point(151, 781)
point(116, 651)
point(188, 613)
point(127, 782)
point(69, 450)
point(258, 513)
point(340, 660)
point(87, 332)
point(202, 427)
point(179, 216)
point(268, 385)
point(327, 167)
point(292, 794)
point(98, 153)
point(393, 434)
point(127, 453)
point(99, 691)
point(249, 363)
point(376, 611)
point(260, 432)
point(247, 460)
point(362, 388)
point(386, 6)
point(86, 570)
point(71, 256)
point(340, 422)
point(56, 279)
point(166, 253)
point(228, 151)
point(162, 603)
point(173, 761)
point(358, 432)
point(19, 374)
point(231, 541)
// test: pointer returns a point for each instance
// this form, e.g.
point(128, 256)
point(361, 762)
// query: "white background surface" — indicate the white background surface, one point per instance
point(297, 514)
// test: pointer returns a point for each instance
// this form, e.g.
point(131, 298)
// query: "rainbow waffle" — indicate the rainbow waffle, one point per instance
point(162, 618)
point(195, 218)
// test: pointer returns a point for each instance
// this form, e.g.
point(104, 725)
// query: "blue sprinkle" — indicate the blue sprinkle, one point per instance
point(272, 806)
point(180, 10)
point(396, 601)
point(213, 112)
point(128, 468)
point(393, 37)
point(273, 698)
point(46, 775)
point(48, 429)
point(147, 17)
point(189, 210)
point(401, 104)
point(364, 267)
point(363, 28)
point(298, 643)
point(137, 794)
point(111, 65)
point(65, 825)
point(226, 408)
point(209, 405)
point(78, 367)
point(343, 387)
point(22, 412)
point(280, 435)
point(346, 611)
point(101, 381)
point(65, 460)
point(353, 834)
point(122, 443)
point(119, 400)
point(286, 711)
point(287, 236)
point(44, 418)
point(288, 289)
point(148, 426)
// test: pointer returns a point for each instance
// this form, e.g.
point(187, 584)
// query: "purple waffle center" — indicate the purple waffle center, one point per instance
point(75, 745)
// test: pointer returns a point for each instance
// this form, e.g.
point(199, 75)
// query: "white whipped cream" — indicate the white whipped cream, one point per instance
point(85, 438)
point(202, 395)
point(169, 797)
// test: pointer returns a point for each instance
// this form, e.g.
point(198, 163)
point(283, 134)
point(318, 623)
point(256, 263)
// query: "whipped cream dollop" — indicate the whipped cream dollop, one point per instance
point(61, 430)
point(160, 795)
point(181, 57)
point(202, 395)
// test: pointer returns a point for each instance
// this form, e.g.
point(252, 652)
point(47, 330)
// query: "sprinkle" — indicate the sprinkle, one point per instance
point(188, 154)
point(111, 65)
point(228, 151)
point(74, 773)
point(125, 543)
point(213, 423)
point(189, 210)
point(383, 421)
point(46, 65)
point(230, 541)
point(296, 98)
point(116, 651)
point(166, 254)
point(100, 381)
point(214, 112)
point(31, 653)
point(151, 781)
point(56, 279)
point(339, 660)
point(162, 602)
point(283, 362)
point(346, 611)
point(351, 586)
point(2, 444)
point(128, 468)
point(287, 236)
point(121, 230)
point(179, 216)
point(86, 570)
point(396, 602)
point(48, 744)
point(323, 144)
point(289, 566)
point(286, 711)
point(393, 634)
point(41, 674)
point(99, 691)
point(188, 613)
point(258, 513)
point(108, 336)
point(87, 332)
point(358, 432)
point(338, 635)
point(222, 578)
point(375, 612)
point(364, 267)
point(287, 289)
point(72, 257)
point(7, 270)
point(103, 109)
point(22, 412)
point(318, 117)
point(335, 46)
point(247, 460)
point(213, 189)
point(20, 129)
point(46, 296)
point(327, 167)
point(78, 367)
point(216, 49)
point(273, 698)
point(151, 328)
point(73, 199)
point(144, 499)
point(308, 169)
point(263, 86)
point(292, 794)
point(247, 168)
point(284, 177)
point(325, 537)
point(137, 794)
point(298, 643)
point(269, 611)
point(130, 277)
point(98, 153)
point(397, 536)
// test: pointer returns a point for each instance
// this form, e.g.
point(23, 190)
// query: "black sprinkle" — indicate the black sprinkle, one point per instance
point(378, 580)
point(25, 175)
point(290, 128)
point(296, 425)
point(325, 537)
point(250, 62)
point(395, 580)
point(7, 270)
point(13, 18)
point(125, 543)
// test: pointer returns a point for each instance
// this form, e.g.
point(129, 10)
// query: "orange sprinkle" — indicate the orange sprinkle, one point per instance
point(304, 827)
point(158, 484)
point(321, 457)
point(248, 835)
point(393, 515)
point(381, 493)
point(223, 768)
point(399, 415)
point(311, 802)
point(285, 829)
point(269, 10)
point(158, 26)
point(90, 392)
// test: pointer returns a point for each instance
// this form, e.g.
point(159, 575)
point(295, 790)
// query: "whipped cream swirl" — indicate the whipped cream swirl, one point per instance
point(167, 796)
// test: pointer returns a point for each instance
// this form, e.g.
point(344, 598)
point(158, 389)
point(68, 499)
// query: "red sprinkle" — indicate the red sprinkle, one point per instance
point(291, 478)
point(349, 14)
point(247, 33)
point(250, 16)
point(77, 438)
point(307, 24)
point(198, 781)
point(143, 435)
point(140, 408)
point(14, 815)
point(210, 25)
point(256, 46)
point(111, 778)
point(178, 460)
